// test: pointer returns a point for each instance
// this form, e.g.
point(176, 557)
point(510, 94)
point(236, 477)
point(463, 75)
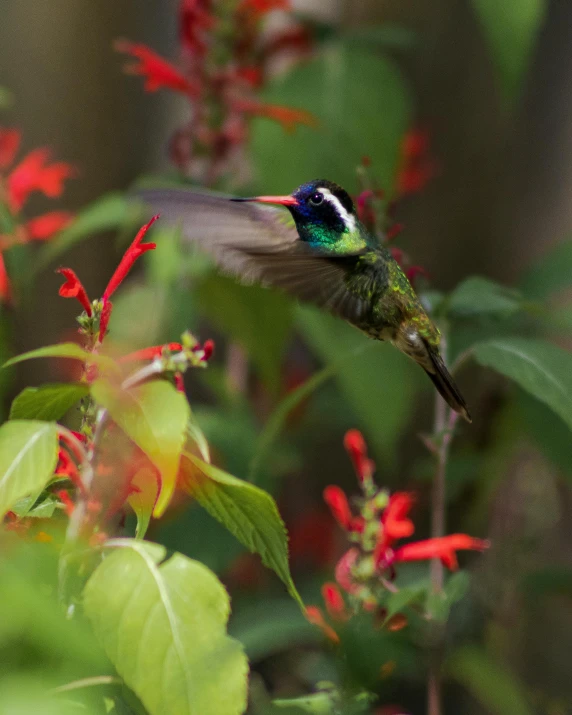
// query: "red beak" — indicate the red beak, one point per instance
point(282, 200)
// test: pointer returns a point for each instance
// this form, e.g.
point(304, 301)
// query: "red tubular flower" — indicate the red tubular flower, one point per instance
point(43, 227)
point(208, 349)
point(5, 287)
point(104, 319)
point(417, 169)
point(335, 604)
point(315, 616)
point(9, 143)
point(157, 71)
point(73, 288)
point(415, 271)
point(443, 548)
point(195, 19)
point(339, 506)
point(396, 525)
point(357, 450)
point(150, 353)
point(33, 173)
point(343, 570)
point(66, 500)
point(135, 250)
point(286, 116)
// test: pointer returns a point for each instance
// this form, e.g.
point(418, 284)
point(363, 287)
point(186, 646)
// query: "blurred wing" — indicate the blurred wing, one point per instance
point(259, 244)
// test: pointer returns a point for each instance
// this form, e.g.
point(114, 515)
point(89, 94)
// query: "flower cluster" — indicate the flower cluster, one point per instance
point(416, 169)
point(366, 571)
point(224, 62)
point(34, 173)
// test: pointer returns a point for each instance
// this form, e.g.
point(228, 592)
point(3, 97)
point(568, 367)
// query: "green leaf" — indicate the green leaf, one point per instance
point(155, 417)
point(163, 625)
point(403, 598)
point(489, 682)
point(106, 213)
point(48, 402)
point(143, 500)
point(275, 422)
point(66, 350)
point(549, 274)
point(260, 320)
point(28, 457)
point(42, 510)
point(511, 28)
point(477, 296)
point(542, 369)
point(363, 106)
point(248, 512)
point(379, 383)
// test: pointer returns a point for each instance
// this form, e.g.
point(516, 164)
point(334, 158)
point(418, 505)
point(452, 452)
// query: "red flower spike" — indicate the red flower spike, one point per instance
point(34, 174)
point(315, 616)
point(9, 143)
point(286, 116)
point(344, 568)
point(150, 353)
point(158, 72)
point(66, 500)
point(336, 499)
point(44, 227)
point(208, 349)
point(396, 525)
point(443, 548)
point(5, 286)
point(135, 250)
point(195, 19)
point(357, 450)
point(104, 319)
point(73, 288)
point(414, 178)
point(335, 604)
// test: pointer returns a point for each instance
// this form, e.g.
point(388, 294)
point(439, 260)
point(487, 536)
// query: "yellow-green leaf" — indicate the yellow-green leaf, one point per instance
point(155, 417)
point(163, 625)
point(248, 512)
point(48, 402)
point(28, 457)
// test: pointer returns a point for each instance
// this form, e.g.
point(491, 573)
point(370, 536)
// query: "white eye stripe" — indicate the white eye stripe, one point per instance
point(348, 219)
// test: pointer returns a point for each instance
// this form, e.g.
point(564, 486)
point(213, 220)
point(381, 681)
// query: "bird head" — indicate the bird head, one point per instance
point(325, 216)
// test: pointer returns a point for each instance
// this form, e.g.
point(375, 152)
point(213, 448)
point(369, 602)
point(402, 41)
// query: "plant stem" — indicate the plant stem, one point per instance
point(444, 423)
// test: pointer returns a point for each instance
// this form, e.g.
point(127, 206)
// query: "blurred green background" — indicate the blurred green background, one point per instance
point(492, 84)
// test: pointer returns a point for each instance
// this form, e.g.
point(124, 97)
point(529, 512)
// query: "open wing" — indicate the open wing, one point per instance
point(259, 244)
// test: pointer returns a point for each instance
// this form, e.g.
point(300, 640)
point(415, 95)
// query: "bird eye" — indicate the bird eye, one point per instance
point(316, 199)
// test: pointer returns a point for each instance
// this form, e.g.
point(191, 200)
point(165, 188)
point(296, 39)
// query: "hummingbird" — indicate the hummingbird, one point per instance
point(319, 252)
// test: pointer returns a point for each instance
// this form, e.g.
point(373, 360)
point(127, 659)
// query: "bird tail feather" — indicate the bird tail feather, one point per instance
point(445, 385)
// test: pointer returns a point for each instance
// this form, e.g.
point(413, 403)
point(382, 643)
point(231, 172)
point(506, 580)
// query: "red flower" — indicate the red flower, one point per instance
point(286, 116)
point(66, 500)
point(33, 173)
point(335, 604)
point(417, 169)
point(356, 448)
point(343, 570)
point(43, 227)
point(208, 349)
point(5, 287)
point(135, 250)
point(339, 506)
point(261, 7)
point(315, 616)
point(157, 71)
point(73, 288)
point(194, 20)
point(443, 548)
point(9, 143)
point(394, 519)
point(150, 353)
point(104, 319)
